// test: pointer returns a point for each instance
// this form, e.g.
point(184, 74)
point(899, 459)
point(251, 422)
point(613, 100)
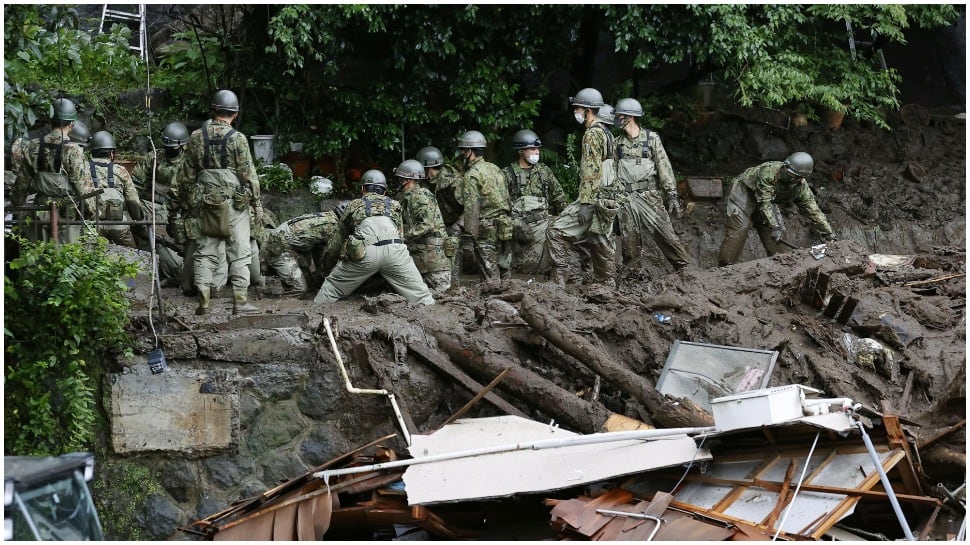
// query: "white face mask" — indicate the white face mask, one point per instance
point(532, 159)
point(580, 118)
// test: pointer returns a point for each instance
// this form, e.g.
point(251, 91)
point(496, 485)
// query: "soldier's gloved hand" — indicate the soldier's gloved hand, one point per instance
point(777, 233)
point(830, 237)
point(673, 204)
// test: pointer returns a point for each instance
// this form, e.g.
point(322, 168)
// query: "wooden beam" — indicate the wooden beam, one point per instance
point(461, 412)
point(445, 365)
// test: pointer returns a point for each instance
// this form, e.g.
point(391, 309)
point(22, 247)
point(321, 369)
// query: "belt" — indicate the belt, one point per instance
point(641, 186)
point(534, 216)
point(388, 241)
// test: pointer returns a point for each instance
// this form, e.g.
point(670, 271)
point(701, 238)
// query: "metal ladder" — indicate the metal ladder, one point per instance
point(108, 15)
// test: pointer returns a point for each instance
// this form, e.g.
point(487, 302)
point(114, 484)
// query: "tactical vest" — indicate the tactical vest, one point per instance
point(637, 173)
point(112, 201)
point(216, 178)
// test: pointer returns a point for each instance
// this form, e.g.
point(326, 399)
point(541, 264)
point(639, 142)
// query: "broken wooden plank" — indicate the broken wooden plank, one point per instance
point(461, 412)
point(450, 369)
point(934, 439)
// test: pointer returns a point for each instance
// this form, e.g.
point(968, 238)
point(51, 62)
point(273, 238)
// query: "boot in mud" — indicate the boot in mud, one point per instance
point(240, 302)
point(203, 301)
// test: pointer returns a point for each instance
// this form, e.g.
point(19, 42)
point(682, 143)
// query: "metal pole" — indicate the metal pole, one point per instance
point(886, 484)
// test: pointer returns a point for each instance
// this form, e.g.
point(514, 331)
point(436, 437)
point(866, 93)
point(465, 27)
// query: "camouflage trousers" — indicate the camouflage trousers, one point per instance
point(286, 265)
point(492, 256)
point(391, 261)
point(438, 282)
point(571, 229)
point(211, 252)
point(529, 254)
point(741, 216)
point(644, 214)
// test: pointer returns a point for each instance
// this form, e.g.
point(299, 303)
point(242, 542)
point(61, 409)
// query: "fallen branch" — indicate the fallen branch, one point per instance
point(933, 280)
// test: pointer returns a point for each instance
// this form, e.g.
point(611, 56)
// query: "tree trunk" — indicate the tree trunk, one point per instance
point(532, 389)
point(680, 413)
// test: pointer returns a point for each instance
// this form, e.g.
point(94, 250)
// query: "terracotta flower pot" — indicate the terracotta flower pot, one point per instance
point(299, 163)
point(832, 118)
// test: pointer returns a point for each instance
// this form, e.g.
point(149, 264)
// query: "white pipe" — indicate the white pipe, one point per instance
point(801, 478)
point(886, 484)
point(351, 389)
point(658, 520)
point(528, 445)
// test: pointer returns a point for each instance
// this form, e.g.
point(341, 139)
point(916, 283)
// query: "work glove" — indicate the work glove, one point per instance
point(777, 233)
point(673, 204)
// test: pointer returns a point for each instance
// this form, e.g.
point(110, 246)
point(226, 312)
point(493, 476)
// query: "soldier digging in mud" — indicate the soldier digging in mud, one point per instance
point(754, 198)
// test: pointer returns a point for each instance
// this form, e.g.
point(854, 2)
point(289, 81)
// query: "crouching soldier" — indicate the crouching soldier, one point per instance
point(424, 229)
point(374, 245)
point(302, 235)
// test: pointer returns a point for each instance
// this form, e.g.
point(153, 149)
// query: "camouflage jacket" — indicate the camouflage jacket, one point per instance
point(485, 181)
point(122, 181)
point(72, 162)
point(424, 230)
point(165, 171)
point(447, 185)
point(369, 205)
point(597, 147)
point(238, 159)
point(642, 163)
point(538, 181)
point(771, 189)
point(305, 232)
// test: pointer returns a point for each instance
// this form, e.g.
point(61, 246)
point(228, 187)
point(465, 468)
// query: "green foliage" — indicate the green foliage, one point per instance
point(775, 55)
point(65, 306)
point(47, 55)
point(566, 169)
point(120, 489)
point(275, 177)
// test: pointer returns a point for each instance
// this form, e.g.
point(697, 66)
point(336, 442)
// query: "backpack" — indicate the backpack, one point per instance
point(634, 173)
point(218, 186)
point(112, 201)
point(51, 183)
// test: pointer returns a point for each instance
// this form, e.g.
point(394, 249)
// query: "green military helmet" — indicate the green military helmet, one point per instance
point(102, 140)
point(80, 134)
point(373, 178)
point(410, 170)
point(800, 164)
point(64, 110)
point(629, 106)
point(605, 114)
point(472, 139)
point(174, 135)
point(225, 100)
point(430, 156)
point(588, 97)
point(526, 139)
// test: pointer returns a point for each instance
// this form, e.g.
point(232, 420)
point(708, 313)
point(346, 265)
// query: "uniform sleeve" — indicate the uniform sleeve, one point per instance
point(554, 194)
point(131, 194)
point(660, 160)
point(421, 214)
point(397, 217)
point(77, 169)
point(245, 167)
point(188, 172)
point(806, 204)
point(764, 195)
point(591, 164)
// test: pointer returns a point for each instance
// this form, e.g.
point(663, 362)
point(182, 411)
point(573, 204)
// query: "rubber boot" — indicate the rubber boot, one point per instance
point(240, 302)
point(203, 301)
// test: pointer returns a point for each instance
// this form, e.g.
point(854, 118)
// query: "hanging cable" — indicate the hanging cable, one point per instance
point(156, 289)
point(801, 479)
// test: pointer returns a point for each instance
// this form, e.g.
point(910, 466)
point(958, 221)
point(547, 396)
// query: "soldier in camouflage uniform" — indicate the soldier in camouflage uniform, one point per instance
point(592, 215)
point(446, 182)
point(302, 235)
point(372, 225)
point(159, 203)
point(754, 198)
point(487, 210)
point(218, 182)
point(424, 230)
point(120, 201)
point(537, 197)
point(651, 189)
point(54, 157)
